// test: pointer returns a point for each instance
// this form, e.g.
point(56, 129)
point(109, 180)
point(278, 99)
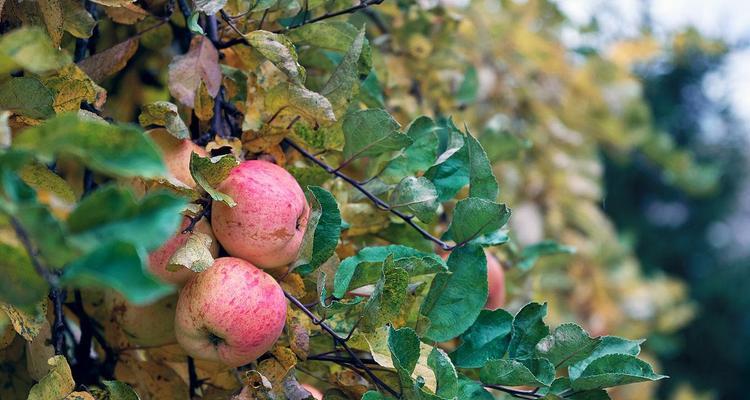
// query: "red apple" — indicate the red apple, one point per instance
point(158, 260)
point(232, 312)
point(176, 153)
point(314, 392)
point(268, 222)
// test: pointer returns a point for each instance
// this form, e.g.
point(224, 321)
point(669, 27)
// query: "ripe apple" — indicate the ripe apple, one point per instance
point(147, 325)
point(158, 260)
point(314, 392)
point(176, 154)
point(232, 312)
point(268, 222)
point(495, 281)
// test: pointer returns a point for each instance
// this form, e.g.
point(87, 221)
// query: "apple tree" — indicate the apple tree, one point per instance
point(265, 199)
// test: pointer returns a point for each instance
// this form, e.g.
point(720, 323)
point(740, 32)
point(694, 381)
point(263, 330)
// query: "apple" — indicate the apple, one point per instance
point(267, 224)
point(146, 325)
point(176, 153)
point(495, 281)
point(232, 312)
point(158, 260)
point(314, 392)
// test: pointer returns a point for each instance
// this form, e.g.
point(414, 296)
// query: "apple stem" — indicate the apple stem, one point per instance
point(340, 341)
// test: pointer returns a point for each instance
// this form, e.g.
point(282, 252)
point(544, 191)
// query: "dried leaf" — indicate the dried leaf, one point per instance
point(25, 324)
point(195, 254)
point(57, 384)
point(110, 61)
point(204, 103)
point(200, 63)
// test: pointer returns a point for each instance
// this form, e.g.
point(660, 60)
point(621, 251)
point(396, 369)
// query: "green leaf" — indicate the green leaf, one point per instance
point(486, 339)
point(404, 346)
point(482, 182)
point(308, 104)
point(450, 171)
point(343, 84)
point(561, 388)
point(364, 267)
point(279, 51)
point(370, 133)
point(531, 254)
point(76, 20)
point(31, 49)
point(607, 345)
point(326, 228)
point(21, 286)
point(568, 344)
point(338, 36)
point(456, 298)
point(210, 172)
point(164, 113)
point(614, 370)
point(420, 155)
point(370, 91)
point(193, 24)
point(417, 196)
point(474, 217)
point(524, 372)
point(120, 266)
point(120, 391)
point(471, 389)
point(467, 92)
point(40, 178)
point(114, 149)
point(113, 213)
point(57, 384)
point(46, 232)
point(528, 329)
point(27, 96)
point(388, 297)
point(370, 395)
point(445, 372)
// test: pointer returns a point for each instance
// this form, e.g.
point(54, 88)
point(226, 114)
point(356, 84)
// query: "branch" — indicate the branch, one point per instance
point(520, 394)
point(363, 4)
point(338, 340)
point(194, 384)
point(409, 219)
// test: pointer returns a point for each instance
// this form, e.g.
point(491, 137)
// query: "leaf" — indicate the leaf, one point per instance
point(204, 104)
point(71, 86)
point(445, 372)
point(210, 172)
point(110, 61)
point(114, 149)
point(57, 384)
point(119, 391)
point(47, 183)
point(450, 171)
point(194, 255)
point(76, 20)
point(21, 286)
point(467, 92)
point(531, 254)
point(343, 84)
point(568, 344)
point(528, 329)
point(31, 49)
point(200, 63)
point(418, 196)
point(614, 370)
point(308, 104)
point(607, 345)
point(46, 233)
point(338, 36)
point(420, 155)
point(482, 182)
point(120, 266)
point(326, 230)
point(164, 113)
point(404, 346)
point(471, 389)
point(27, 96)
point(209, 7)
point(455, 299)
point(388, 297)
point(525, 372)
point(279, 51)
point(52, 15)
point(486, 339)
point(193, 24)
point(113, 213)
point(370, 133)
point(364, 267)
point(474, 217)
point(561, 388)
point(27, 323)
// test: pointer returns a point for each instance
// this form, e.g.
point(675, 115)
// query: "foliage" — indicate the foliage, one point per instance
point(374, 311)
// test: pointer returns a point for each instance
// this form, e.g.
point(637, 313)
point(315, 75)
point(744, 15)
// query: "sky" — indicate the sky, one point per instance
point(725, 19)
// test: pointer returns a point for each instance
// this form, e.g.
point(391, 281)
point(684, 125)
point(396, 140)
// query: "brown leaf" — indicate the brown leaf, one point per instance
point(298, 330)
point(200, 63)
point(204, 103)
point(110, 61)
point(52, 13)
point(128, 14)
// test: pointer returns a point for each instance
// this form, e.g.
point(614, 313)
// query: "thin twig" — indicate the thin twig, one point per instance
point(520, 394)
point(193, 383)
point(409, 219)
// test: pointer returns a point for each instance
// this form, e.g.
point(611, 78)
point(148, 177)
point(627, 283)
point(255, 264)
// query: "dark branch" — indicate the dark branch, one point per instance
point(194, 384)
point(409, 219)
point(520, 394)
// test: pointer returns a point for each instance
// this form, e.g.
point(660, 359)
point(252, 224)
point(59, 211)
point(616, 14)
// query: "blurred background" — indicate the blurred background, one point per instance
point(619, 128)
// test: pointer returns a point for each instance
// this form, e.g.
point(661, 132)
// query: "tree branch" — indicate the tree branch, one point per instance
point(409, 219)
point(520, 394)
point(338, 340)
point(363, 4)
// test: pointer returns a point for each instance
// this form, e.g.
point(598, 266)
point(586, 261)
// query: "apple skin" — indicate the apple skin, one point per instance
point(176, 153)
point(267, 224)
point(158, 260)
point(232, 312)
point(147, 325)
point(495, 283)
point(314, 392)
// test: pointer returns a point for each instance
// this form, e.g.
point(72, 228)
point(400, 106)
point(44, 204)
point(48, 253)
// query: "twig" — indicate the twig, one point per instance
point(520, 394)
point(342, 342)
point(192, 378)
point(204, 212)
point(57, 296)
point(363, 4)
point(409, 219)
